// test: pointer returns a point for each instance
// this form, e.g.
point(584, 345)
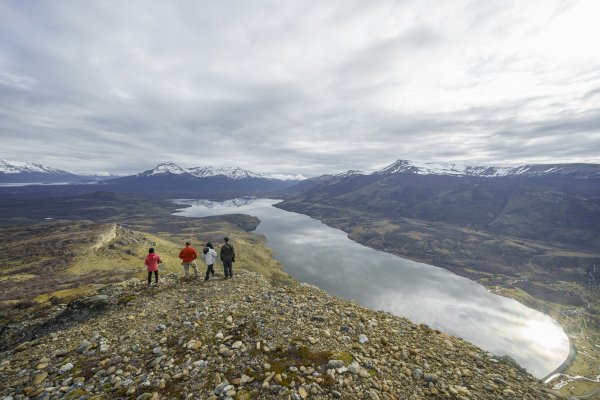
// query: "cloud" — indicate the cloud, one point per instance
point(297, 86)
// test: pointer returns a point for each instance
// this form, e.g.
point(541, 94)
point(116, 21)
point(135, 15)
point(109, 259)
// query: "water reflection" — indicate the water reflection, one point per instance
point(313, 252)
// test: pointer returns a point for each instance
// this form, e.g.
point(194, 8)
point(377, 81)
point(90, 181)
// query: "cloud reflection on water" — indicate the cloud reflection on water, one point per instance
point(315, 253)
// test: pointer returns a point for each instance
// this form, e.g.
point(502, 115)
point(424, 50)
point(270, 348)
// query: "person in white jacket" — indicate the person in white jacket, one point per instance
point(210, 256)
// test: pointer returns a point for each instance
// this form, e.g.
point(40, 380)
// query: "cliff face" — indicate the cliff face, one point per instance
point(246, 339)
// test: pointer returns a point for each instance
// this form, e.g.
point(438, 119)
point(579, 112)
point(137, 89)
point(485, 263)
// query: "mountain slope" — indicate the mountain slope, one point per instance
point(267, 342)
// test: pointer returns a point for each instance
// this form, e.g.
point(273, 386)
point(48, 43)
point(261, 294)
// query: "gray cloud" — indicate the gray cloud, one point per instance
point(307, 87)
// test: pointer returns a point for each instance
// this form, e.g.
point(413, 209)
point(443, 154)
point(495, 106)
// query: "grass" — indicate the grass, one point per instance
point(54, 262)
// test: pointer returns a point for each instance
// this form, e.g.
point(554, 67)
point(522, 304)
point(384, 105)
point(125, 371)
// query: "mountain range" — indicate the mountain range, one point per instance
point(165, 177)
point(490, 219)
point(22, 172)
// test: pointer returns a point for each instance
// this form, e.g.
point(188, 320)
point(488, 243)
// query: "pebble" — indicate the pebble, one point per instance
point(354, 367)
point(236, 345)
point(65, 368)
point(334, 364)
point(302, 392)
point(39, 378)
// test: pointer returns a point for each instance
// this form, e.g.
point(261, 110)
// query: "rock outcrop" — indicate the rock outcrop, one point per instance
point(246, 339)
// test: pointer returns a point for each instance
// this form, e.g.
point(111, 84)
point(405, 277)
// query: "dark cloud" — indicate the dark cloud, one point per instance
point(297, 86)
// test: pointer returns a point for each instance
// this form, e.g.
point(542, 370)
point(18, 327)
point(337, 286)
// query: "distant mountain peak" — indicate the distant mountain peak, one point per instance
point(165, 168)
point(18, 167)
point(236, 173)
point(240, 173)
point(452, 169)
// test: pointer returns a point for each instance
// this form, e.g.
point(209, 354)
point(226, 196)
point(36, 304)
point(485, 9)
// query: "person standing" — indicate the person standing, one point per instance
point(210, 256)
point(188, 254)
point(151, 262)
point(227, 255)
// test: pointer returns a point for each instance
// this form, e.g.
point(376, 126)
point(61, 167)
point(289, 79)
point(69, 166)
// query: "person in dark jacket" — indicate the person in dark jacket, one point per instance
point(227, 256)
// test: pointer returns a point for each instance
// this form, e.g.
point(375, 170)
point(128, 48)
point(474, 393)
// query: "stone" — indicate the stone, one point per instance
point(334, 364)
point(354, 367)
point(39, 378)
point(302, 392)
point(229, 319)
point(65, 368)
point(362, 338)
point(430, 378)
point(83, 346)
point(194, 344)
point(417, 373)
point(236, 345)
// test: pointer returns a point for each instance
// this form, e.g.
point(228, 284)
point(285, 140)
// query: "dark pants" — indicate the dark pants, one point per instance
point(150, 276)
point(228, 267)
point(209, 270)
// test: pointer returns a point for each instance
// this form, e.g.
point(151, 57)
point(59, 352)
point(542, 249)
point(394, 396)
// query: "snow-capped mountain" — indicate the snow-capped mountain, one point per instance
point(169, 177)
point(30, 173)
point(582, 171)
point(18, 167)
point(168, 168)
point(239, 173)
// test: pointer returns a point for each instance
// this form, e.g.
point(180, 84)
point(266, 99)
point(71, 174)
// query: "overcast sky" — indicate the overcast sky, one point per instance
point(298, 86)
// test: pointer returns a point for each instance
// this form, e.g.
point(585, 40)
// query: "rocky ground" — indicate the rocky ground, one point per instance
point(246, 339)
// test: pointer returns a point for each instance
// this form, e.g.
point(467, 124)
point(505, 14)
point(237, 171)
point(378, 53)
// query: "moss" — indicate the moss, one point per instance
point(76, 393)
point(243, 395)
point(297, 356)
point(126, 299)
point(344, 356)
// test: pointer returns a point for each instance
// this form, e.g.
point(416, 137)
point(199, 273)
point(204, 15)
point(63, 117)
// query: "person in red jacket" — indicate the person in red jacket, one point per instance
point(152, 260)
point(188, 255)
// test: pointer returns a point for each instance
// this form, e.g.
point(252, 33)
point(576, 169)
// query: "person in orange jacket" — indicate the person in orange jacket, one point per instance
point(188, 255)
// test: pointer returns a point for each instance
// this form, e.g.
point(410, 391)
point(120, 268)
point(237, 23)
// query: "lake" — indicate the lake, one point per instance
point(315, 253)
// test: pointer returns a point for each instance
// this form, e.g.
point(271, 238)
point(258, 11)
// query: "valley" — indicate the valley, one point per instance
point(532, 240)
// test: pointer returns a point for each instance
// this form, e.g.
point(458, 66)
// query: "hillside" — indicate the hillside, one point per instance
point(531, 238)
point(247, 339)
point(76, 320)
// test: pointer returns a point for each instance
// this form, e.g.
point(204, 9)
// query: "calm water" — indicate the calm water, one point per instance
point(315, 253)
